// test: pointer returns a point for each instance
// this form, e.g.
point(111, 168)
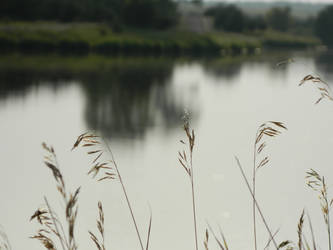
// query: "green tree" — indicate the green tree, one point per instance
point(279, 18)
point(150, 13)
point(227, 17)
point(324, 24)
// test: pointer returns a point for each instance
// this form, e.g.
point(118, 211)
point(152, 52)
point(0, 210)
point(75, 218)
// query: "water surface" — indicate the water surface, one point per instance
point(137, 105)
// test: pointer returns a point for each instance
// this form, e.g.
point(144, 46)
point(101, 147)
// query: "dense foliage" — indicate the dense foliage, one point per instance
point(323, 25)
point(279, 18)
point(231, 18)
point(137, 13)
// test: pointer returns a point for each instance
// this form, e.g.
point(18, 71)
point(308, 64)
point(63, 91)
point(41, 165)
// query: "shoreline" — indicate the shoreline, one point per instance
point(84, 38)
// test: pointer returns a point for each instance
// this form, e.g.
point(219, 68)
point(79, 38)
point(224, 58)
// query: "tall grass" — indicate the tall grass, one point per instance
point(267, 129)
point(51, 227)
point(91, 140)
point(187, 163)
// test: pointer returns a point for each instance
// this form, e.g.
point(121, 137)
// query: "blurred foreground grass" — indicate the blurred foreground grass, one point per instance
point(99, 38)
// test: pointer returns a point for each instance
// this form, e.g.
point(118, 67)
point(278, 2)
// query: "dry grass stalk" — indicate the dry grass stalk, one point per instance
point(321, 85)
point(149, 230)
point(286, 244)
point(100, 226)
point(317, 183)
point(51, 227)
point(312, 233)
point(4, 241)
point(187, 164)
point(299, 231)
point(256, 203)
point(266, 130)
point(270, 239)
point(105, 169)
point(109, 169)
point(206, 240)
point(221, 243)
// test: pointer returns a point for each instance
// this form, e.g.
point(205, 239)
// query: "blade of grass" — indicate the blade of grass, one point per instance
point(125, 193)
point(255, 201)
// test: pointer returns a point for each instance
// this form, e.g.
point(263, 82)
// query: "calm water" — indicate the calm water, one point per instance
point(137, 105)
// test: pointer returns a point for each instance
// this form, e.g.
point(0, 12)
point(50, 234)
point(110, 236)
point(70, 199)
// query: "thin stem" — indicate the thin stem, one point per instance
point(328, 225)
point(55, 225)
point(194, 215)
point(256, 203)
point(125, 193)
point(312, 233)
point(193, 204)
point(254, 195)
point(329, 232)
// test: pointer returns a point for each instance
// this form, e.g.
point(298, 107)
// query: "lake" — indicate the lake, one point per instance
point(137, 105)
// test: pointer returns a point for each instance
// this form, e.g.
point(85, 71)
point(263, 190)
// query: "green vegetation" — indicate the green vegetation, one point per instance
point(279, 18)
point(89, 37)
point(159, 14)
point(99, 38)
point(152, 26)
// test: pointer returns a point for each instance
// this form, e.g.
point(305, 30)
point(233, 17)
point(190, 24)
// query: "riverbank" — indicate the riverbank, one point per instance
point(99, 38)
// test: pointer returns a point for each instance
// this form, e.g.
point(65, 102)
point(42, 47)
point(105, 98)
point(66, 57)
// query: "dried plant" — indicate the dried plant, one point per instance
point(100, 226)
point(312, 232)
point(222, 243)
point(109, 169)
point(206, 240)
point(317, 183)
point(51, 226)
point(286, 244)
point(4, 241)
point(299, 231)
point(149, 229)
point(321, 85)
point(266, 130)
point(256, 203)
point(270, 239)
point(185, 159)
point(93, 143)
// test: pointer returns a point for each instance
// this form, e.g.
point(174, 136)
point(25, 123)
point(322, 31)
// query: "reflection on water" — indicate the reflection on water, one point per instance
point(125, 100)
point(324, 63)
point(124, 97)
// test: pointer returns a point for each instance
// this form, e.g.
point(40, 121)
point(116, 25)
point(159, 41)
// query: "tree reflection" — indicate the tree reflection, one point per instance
point(130, 97)
point(324, 63)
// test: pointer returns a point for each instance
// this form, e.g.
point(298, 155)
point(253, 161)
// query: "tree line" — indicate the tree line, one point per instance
point(231, 18)
point(137, 13)
point(162, 14)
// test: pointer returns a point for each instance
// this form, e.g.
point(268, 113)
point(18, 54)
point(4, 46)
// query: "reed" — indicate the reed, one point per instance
point(222, 242)
point(109, 169)
point(265, 130)
point(100, 244)
point(187, 163)
point(318, 184)
point(51, 227)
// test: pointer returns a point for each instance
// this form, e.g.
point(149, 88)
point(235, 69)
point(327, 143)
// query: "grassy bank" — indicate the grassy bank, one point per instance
point(99, 38)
